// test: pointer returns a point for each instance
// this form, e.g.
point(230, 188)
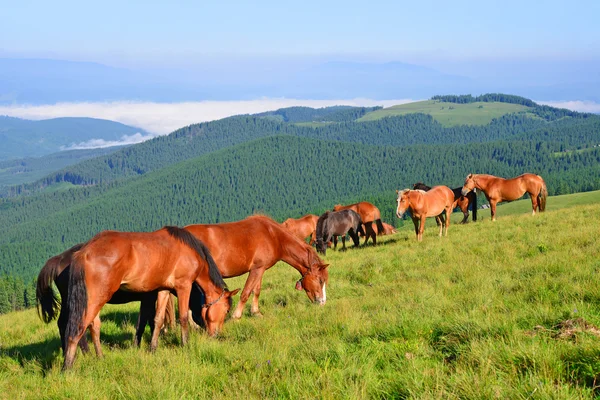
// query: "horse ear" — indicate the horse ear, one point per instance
point(397, 191)
point(323, 266)
point(233, 292)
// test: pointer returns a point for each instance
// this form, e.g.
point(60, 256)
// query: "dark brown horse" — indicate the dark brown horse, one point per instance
point(499, 189)
point(254, 245)
point(369, 214)
point(462, 202)
point(302, 227)
point(338, 223)
point(421, 204)
point(168, 259)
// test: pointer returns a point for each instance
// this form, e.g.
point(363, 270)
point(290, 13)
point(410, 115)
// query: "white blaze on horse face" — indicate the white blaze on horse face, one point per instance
point(324, 293)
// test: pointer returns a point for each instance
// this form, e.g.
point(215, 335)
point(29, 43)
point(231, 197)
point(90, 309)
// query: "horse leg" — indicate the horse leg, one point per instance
point(448, 213)
point(416, 223)
point(335, 240)
point(421, 227)
point(248, 287)
point(91, 312)
point(159, 316)
point(354, 237)
point(493, 209)
point(145, 316)
point(441, 223)
point(344, 242)
point(183, 294)
point(95, 334)
point(256, 293)
point(534, 203)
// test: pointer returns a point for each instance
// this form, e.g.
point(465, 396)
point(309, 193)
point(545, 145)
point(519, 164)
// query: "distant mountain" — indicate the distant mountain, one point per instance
point(21, 138)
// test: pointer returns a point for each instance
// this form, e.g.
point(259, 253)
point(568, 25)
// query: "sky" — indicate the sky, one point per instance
point(179, 33)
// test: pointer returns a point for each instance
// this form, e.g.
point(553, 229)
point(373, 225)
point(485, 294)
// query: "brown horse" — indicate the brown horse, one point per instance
point(462, 202)
point(302, 227)
point(499, 189)
point(168, 259)
point(387, 229)
point(368, 214)
point(254, 245)
point(423, 204)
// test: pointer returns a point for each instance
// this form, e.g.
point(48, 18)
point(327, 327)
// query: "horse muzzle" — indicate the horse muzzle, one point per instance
point(464, 191)
point(399, 214)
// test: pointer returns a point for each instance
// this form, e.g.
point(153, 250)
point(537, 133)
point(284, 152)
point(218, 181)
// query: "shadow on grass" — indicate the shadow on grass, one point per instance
point(44, 352)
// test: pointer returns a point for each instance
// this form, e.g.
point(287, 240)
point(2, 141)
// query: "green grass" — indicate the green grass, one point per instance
point(449, 114)
point(473, 315)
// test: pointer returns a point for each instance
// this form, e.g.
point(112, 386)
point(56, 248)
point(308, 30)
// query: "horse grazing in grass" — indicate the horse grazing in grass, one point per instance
point(421, 204)
point(369, 214)
point(57, 270)
point(338, 223)
point(462, 202)
point(499, 189)
point(387, 229)
point(254, 245)
point(168, 259)
point(302, 227)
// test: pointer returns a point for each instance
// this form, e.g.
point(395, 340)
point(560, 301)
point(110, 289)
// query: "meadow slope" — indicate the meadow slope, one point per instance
point(495, 310)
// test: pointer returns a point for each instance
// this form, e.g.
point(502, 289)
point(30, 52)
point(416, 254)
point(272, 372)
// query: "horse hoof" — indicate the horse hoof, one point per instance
point(257, 314)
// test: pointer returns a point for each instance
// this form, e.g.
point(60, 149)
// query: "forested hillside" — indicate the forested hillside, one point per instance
point(199, 139)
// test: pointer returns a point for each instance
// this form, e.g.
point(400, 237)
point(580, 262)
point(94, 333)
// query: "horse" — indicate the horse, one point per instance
point(387, 229)
point(499, 189)
point(254, 245)
point(337, 223)
point(302, 227)
point(167, 259)
point(369, 214)
point(426, 204)
point(462, 202)
point(57, 270)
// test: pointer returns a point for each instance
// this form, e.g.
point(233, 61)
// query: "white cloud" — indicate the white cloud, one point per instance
point(575, 105)
point(163, 118)
point(101, 143)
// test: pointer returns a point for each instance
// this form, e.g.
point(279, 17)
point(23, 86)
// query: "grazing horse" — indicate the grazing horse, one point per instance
point(387, 229)
point(426, 204)
point(338, 223)
point(499, 189)
point(369, 214)
point(462, 202)
point(168, 259)
point(302, 227)
point(57, 270)
point(254, 245)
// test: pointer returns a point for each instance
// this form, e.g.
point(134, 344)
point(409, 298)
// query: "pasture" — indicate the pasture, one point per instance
point(508, 309)
point(449, 114)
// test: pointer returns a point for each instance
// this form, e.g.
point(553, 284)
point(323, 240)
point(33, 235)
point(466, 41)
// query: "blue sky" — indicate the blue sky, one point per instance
point(176, 33)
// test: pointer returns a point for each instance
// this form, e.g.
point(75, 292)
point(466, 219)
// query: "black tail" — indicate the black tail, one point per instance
point(76, 299)
point(190, 240)
point(474, 205)
point(380, 230)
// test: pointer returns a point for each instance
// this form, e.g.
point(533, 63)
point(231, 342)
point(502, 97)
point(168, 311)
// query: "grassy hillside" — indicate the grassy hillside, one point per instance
point(496, 310)
point(24, 170)
point(21, 138)
point(449, 114)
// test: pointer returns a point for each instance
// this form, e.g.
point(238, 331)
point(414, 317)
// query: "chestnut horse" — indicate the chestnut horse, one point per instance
point(57, 270)
point(462, 202)
point(302, 227)
point(254, 245)
point(168, 259)
point(499, 189)
point(368, 214)
point(337, 223)
point(426, 204)
point(387, 229)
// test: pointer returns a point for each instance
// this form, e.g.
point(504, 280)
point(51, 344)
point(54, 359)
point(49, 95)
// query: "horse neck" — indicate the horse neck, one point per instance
point(482, 181)
point(211, 289)
point(295, 253)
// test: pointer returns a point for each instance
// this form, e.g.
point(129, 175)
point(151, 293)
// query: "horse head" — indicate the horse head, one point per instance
point(337, 207)
point(468, 185)
point(314, 279)
point(402, 202)
point(214, 313)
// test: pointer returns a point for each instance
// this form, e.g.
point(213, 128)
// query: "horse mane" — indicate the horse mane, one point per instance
point(321, 225)
point(191, 241)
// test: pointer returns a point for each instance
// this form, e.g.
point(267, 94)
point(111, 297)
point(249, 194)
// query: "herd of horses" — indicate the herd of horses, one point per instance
point(192, 262)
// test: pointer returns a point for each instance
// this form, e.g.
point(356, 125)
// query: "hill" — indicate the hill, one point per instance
point(450, 114)
point(20, 138)
point(25, 170)
point(502, 309)
point(568, 132)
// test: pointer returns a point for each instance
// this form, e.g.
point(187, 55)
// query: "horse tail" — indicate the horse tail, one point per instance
point(191, 241)
point(474, 197)
point(543, 195)
point(47, 301)
point(380, 229)
point(77, 299)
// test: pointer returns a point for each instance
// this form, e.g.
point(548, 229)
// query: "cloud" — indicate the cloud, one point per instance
point(163, 118)
point(101, 143)
point(575, 105)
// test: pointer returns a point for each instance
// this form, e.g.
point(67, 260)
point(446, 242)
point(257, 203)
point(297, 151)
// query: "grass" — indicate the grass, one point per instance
point(449, 114)
point(478, 314)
